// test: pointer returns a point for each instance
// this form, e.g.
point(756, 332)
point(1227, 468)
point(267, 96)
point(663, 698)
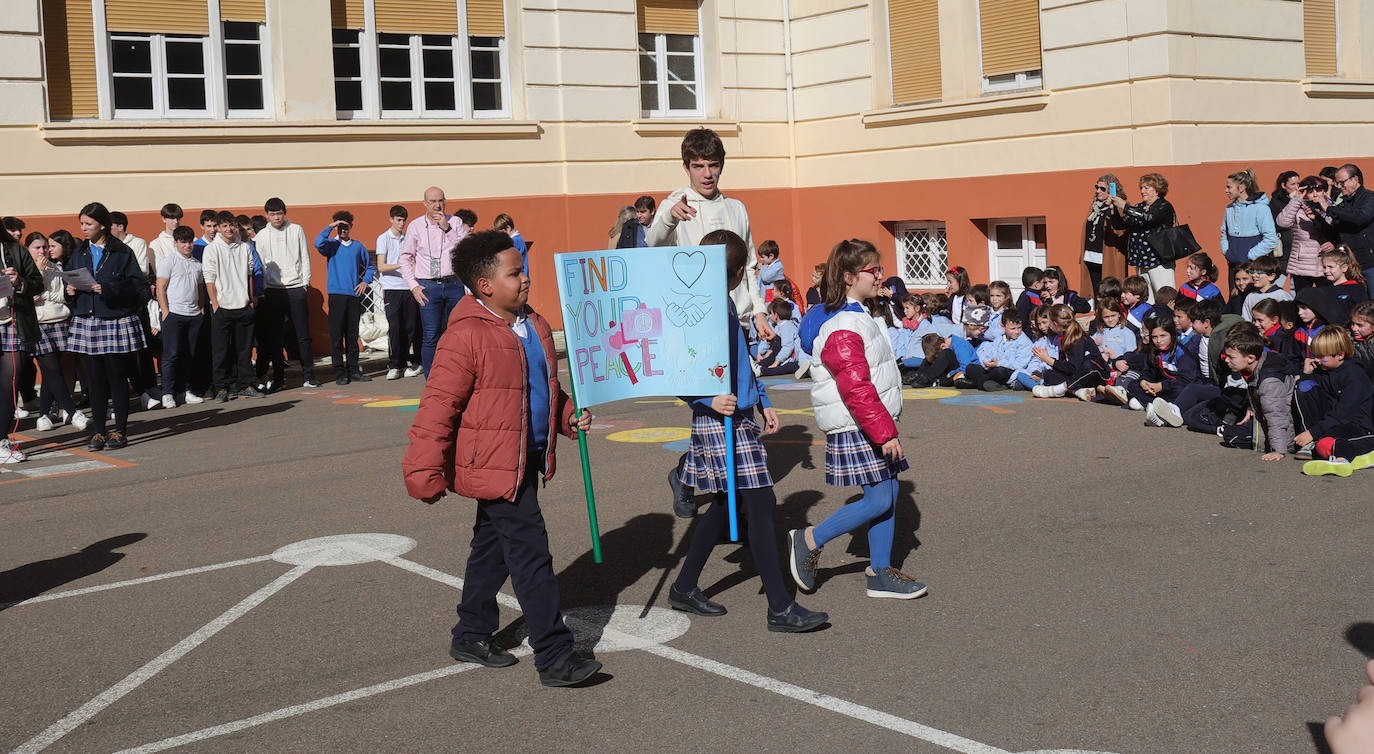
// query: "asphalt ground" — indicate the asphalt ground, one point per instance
point(1094, 585)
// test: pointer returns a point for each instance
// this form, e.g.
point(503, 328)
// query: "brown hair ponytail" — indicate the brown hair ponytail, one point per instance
point(848, 257)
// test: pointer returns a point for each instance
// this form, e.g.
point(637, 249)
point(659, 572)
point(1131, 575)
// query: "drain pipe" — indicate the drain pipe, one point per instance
point(791, 105)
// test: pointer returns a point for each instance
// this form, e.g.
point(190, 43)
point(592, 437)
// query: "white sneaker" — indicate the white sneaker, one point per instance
point(1085, 394)
point(414, 371)
point(1151, 418)
point(45, 423)
point(168, 401)
point(192, 398)
point(1114, 394)
point(1043, 391)
point(79, 419)
point(1134, 405)
point(393, 374)
point(1167, 412)
point(20, 413)
point(149, 402)
point(9, 453)
point(803, 367)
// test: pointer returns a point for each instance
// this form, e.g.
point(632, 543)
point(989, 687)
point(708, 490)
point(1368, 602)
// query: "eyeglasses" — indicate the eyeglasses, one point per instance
point(1343, 181)
point(876, 272)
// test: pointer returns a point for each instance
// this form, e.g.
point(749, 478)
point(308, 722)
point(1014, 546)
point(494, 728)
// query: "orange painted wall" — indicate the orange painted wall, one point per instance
point(806, 222)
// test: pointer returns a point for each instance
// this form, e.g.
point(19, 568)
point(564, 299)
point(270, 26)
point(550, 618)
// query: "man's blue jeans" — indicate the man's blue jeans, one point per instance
point(442, 297)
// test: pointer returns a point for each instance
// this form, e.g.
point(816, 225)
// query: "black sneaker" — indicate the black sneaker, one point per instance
point(803, 560)
point(964, 383)
point(221, 396)
point(993, 386)
point(569, 670)
point(115, 440)
point(251, 392)
point(482, 652)
point(97, 442)
point(359, 377)
point(694, 602)
point(341, 379)
point(795, 619)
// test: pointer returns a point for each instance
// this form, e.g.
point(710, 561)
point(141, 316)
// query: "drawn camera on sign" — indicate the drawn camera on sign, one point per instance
point(641, 323)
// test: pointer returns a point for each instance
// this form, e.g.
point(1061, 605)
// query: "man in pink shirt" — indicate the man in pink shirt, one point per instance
point(427, 267)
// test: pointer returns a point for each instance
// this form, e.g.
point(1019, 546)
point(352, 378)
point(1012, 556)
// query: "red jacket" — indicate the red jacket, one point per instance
point(470, 433)
point(843, 356)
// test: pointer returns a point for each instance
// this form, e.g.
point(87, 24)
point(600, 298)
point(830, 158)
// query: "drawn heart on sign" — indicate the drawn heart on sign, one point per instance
point(688, 266)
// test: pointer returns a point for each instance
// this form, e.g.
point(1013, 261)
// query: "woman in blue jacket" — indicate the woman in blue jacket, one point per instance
point(104, 325)
point(1247, 231)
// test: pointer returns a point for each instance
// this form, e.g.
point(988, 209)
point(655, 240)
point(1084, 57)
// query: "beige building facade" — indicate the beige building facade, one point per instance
point(948, 131)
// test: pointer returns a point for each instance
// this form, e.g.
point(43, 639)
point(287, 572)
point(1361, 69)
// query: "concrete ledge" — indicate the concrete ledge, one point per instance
point(1333, 88)
point(228, 131)
point(676, 127)
point(935, 111)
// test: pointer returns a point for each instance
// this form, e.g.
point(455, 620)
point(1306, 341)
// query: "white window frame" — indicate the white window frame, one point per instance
point(936, 252)
point(502, 71)
point(660, 56)
point(1007, 82)
point(263, 44)
point(157, 44)
point(360, 44)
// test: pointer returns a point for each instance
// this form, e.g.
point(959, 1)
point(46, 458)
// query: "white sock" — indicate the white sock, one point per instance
point(1061, 389)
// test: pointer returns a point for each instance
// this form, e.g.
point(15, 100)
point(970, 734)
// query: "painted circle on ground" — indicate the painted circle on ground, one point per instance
point(344, 549)
point(791, 386)
point(394, 403)
point(651, 434)
point(615, 425)
point(678, 446)
point(988, 399)
point(1064, 751)
point(928, 393)
point(619, 628)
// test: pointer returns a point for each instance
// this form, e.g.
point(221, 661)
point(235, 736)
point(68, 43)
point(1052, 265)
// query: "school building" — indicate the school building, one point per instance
point(949, 132)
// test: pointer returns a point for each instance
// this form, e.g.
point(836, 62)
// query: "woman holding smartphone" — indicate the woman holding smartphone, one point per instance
point(1101, 234)
point(1152, 213)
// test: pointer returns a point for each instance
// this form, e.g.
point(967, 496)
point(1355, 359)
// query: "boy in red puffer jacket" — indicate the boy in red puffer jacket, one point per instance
point(485, 429)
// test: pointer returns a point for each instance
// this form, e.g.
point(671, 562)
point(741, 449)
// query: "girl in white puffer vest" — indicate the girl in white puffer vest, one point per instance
point(857, 396)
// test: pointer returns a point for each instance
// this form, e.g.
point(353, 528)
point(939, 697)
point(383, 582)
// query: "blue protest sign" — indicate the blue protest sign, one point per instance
point(645, 322)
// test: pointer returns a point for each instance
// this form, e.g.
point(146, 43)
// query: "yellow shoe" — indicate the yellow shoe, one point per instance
point(1362, 462)
point(1337, 466)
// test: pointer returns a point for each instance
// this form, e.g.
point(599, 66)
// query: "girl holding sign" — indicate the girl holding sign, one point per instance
point(857, 395)
point(706, 469)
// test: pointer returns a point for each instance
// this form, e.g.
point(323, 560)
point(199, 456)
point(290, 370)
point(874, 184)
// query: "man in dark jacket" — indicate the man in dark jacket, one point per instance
point(632, 235)
point(1352, 221)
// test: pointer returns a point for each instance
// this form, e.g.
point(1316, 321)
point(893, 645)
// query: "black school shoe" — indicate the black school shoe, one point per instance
point(482, 652)
point(570, 670)
point(97, 442)
point(115, 440)
point(694, 602)
point(684, 499)
point(795, 619)
point(359, 377)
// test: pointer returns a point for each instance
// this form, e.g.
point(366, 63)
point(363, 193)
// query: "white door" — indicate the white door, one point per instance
point(1013, 245)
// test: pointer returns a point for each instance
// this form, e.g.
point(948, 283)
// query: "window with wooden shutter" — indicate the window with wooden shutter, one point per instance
point(347, 14)
point(250, 11)
point(1319, 36)
point(69, 51)
point(1010, 36)
point(417, 17)
point(486, 18)
point(667, 16)
point(158, 16)
point(914, 42)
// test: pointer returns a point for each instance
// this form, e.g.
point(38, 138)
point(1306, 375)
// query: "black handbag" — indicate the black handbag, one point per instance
point(1173, 243)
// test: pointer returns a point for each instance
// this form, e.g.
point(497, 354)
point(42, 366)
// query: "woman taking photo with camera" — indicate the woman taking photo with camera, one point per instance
point(1309, 240)
point(1152, 213)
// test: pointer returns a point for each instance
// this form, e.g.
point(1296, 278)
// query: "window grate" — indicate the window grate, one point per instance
point(922, 254)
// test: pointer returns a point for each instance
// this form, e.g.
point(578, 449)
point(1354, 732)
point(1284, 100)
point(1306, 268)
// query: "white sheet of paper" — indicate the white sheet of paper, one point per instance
point(79, 278)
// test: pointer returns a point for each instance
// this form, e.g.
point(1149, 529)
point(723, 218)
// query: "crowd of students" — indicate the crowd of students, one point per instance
point(179, 319)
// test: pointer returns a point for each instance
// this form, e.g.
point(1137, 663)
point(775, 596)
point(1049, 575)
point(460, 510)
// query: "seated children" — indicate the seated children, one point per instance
point(1317, 308)
point(1110, 287)
point(956, 354)
point(999, 359)
point(1241, 288)
point(1199, 274)
point(1114, 338)
point(881, 311)
point(770, 266)
point(1362, 330)
point(781, 355)
point(956, 288)
point(1030, 293)
point(1219, 398)
point(1000, 300)
point(1279, 339)
point(1135, 294)
point(1269, 389)
point(1333, 396)
point(1055, 290)
point(1169, 370)
point(913, 312)
point(937, 308)
point(1263, 274)
point(1347, 282)
point(1079, 368)
point(813, 294)
point(1042, 339)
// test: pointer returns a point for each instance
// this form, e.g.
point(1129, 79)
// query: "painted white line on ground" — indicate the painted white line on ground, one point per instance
point(825, 701)
point(132, 582)
point(301, 709)
point(111, 695)
point(430, 573)
point(35, 472)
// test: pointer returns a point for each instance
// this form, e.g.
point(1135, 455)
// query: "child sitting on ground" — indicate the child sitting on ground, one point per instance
point(1001, 302)
point(1199, 274)
point(1263, 272)
point(1055, 290)
point(1135, 290)
point(1030, 293)
point(1078, 368)
point(1362, 330)
point(1241, 288)
point(1333, 396)
point(782, 354)
point(957, 288)
point(1279, 339)
point(1113, 337)
point(937, 308)
point(947, 367)
point(999, 359)
point(1268, 426)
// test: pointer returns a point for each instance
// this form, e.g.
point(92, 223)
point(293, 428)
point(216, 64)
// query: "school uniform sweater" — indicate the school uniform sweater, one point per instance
point(1177, 366)
point(1254, 297)
point(1120, 339)
point(349, 263)
point(1201, 291)
point(1079, 356)
point(716, 213)
point(1013, 354)
point(1352, 396)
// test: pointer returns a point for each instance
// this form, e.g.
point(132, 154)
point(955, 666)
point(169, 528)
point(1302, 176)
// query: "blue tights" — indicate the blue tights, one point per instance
point(876, 509)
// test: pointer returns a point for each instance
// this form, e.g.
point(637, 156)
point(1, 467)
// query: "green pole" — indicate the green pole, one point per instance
point(586, 476)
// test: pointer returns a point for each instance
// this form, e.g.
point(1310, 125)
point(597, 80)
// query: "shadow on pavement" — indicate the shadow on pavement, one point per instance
point(173, 425)
point(788, 448)
point(628, 552)
point(29, 581)
point(1318, 733)
point(1361, 636)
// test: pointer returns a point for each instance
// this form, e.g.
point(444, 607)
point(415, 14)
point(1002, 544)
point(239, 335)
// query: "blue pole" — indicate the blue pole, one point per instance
point(730, 477)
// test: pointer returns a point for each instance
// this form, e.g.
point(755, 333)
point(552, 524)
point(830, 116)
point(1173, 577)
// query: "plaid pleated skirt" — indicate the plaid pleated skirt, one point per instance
point(705, 466)
point(852, 461)
point(97, 337)
point(52, 338)
point(9, 338)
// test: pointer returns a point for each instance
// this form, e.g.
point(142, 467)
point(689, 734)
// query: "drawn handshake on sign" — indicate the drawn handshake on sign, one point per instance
point(690, 311)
